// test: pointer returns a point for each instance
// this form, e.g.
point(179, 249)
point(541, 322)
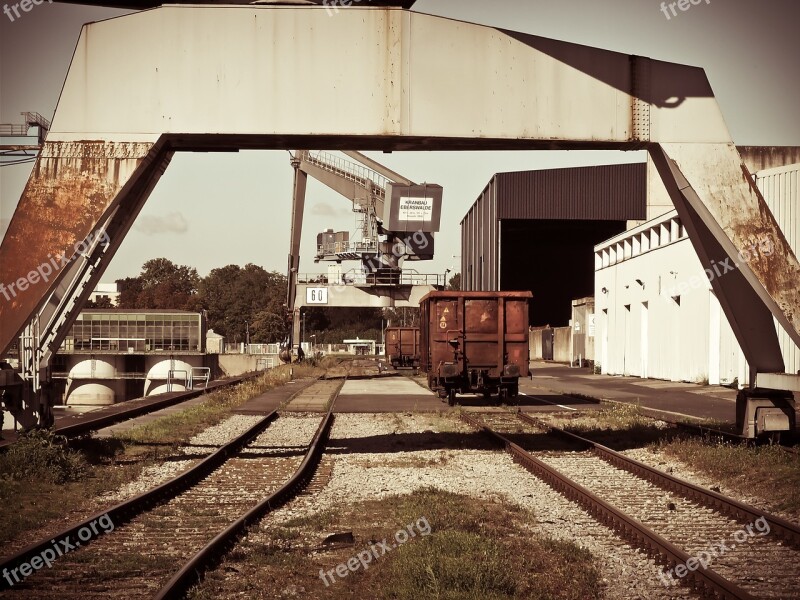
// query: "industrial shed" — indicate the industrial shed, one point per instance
point(536, 230)
point(657, 315)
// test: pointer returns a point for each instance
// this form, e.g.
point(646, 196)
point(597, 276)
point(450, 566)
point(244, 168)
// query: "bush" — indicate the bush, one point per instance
point(41, 455)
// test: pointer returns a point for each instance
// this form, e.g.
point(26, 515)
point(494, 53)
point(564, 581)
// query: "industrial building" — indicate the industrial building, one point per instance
point(112, 355)
point(656, 314)
point(536, 231)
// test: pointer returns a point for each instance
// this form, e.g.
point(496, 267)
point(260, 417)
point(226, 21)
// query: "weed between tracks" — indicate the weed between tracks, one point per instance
point(476, 550)
point(767, 470)
point(42, 479)
point(746, 470)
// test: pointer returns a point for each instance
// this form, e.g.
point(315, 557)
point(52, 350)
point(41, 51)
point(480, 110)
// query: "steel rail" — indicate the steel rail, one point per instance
point(625, 525)
point(192, 571)
point(738, 510)
point(91, 424)
point(129, 509)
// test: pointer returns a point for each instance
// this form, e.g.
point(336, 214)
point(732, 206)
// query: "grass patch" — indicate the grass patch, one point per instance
point(40, 455)
point(746, 469)
point(179, 427)
point(473, 549)
point(767, 470)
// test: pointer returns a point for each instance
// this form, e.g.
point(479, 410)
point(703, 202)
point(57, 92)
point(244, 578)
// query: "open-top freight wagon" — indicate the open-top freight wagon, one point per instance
point(402, 347)
point(474, 342)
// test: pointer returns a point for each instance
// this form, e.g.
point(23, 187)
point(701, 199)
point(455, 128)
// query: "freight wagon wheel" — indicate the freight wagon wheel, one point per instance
point(451, 398)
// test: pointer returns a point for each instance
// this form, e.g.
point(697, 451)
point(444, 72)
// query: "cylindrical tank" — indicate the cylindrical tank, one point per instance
point(90, 394)
point(93, 368)
point(157, 376)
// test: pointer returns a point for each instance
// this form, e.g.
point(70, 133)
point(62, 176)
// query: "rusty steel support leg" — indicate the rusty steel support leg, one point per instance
point(752, 322)
point(113, 187)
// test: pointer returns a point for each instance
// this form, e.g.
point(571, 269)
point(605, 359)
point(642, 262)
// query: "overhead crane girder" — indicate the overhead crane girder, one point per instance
point(205, 78)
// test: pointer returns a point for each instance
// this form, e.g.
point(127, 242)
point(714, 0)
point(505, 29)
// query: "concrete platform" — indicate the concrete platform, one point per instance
point(270, 400)
point(315, 397)
point(392, 394)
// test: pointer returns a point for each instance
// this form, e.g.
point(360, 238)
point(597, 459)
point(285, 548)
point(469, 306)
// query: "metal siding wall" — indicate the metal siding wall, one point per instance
point(780, 189)
point(611, 192)
point(480, 243)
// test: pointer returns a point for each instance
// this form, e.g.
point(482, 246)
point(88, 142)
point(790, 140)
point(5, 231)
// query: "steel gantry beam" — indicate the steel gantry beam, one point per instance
point(227, 77)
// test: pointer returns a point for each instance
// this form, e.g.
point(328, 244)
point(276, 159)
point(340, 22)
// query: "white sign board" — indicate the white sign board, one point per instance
point(415, 209)
point(590, 325)
point(317, 295)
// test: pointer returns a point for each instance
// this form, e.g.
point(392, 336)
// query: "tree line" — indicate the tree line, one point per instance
point(236, 299)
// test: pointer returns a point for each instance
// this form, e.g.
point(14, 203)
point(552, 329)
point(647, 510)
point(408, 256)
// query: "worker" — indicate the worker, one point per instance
point(300, 354)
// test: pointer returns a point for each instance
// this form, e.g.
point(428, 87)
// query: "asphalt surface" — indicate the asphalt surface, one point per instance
point(673, 399)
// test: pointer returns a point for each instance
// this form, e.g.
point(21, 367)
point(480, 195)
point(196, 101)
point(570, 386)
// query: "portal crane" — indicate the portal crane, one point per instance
point(397, 221)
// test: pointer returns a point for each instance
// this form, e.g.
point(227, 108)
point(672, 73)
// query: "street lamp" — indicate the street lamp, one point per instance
point(313, 342)
point(247, 337)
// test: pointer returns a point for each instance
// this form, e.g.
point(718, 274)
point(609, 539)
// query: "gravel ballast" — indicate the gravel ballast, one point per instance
point(484, 474)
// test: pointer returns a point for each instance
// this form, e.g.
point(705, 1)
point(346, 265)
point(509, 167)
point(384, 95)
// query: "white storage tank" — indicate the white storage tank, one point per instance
point(157, 376)
point(90, 393)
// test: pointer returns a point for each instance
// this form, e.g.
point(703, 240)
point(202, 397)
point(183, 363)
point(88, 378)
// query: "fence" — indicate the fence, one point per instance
point(551, 343)
point(252, 348)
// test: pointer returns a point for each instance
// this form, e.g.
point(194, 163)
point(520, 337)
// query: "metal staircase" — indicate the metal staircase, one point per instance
point(32, 119)
point(370, 180)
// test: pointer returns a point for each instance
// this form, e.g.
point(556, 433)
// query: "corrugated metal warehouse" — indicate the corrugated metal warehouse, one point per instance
point(536, 230)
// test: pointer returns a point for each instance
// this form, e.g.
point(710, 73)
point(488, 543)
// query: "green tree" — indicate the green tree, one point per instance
point(402, 317)
point(454, 283)
point(101, 302)
point(333, 325)
point(234, 295)
point(162, 285)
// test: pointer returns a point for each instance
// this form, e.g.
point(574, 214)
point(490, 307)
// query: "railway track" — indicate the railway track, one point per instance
point(160, 542)
point(702, 537)
point(86, 423)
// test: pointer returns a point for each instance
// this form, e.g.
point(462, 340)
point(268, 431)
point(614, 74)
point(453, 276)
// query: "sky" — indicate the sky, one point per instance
point(210, 210)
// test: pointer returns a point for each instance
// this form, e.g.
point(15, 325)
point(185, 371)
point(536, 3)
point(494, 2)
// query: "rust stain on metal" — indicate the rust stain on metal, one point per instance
point(737, 205)
point(765, 248)
point(68, 193)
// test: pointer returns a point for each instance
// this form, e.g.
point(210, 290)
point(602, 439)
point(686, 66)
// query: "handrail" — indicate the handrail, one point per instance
point(361, 278)
point(350, 170)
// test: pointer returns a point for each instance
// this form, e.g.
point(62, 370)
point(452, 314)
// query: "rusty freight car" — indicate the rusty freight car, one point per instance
point(402, 347)
point(474, 342)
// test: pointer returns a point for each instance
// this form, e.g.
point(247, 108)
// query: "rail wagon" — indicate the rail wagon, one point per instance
point(402, 347)
point(474, 342)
